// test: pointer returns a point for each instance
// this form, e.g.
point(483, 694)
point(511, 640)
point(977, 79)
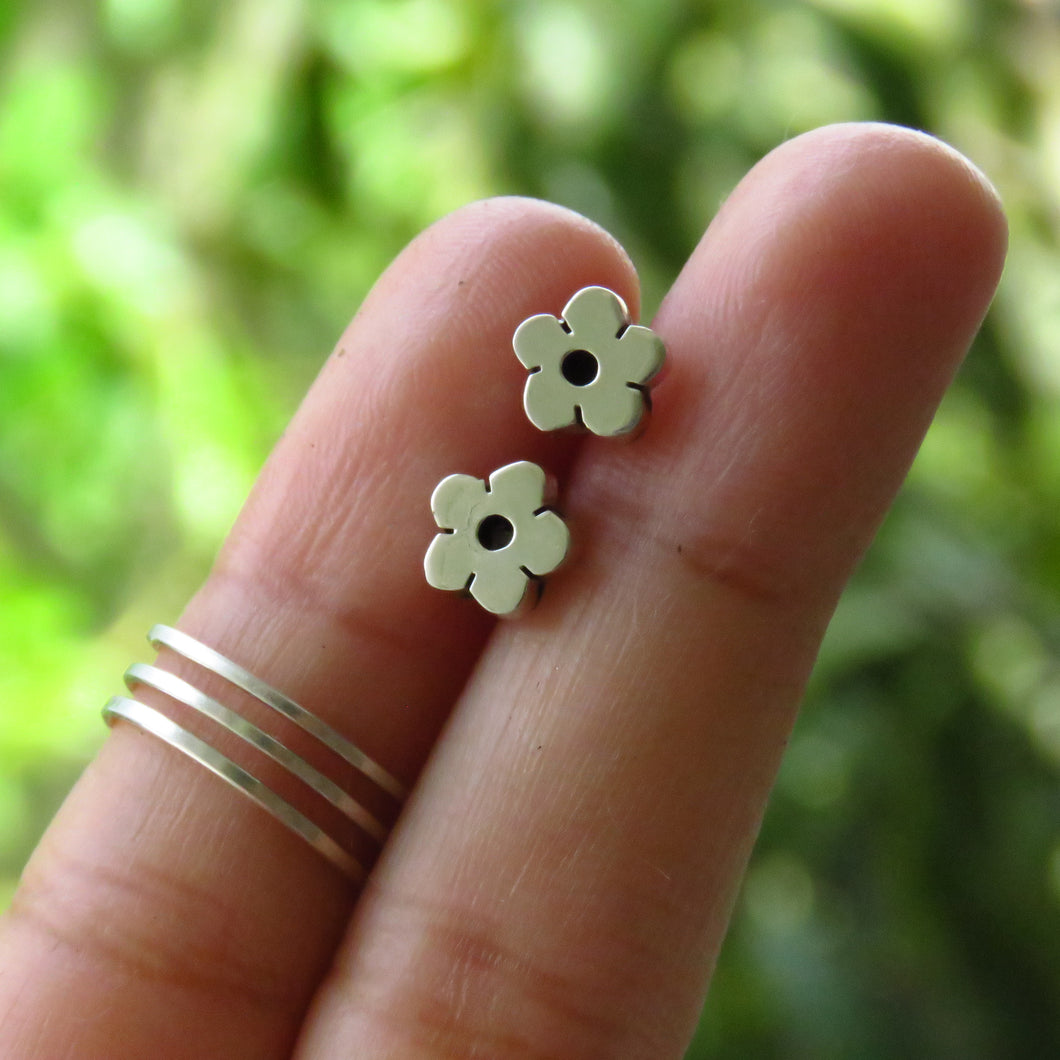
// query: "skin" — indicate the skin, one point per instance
point(560, 880)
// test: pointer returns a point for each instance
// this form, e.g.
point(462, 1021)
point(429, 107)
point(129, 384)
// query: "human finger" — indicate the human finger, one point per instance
point(163, 914)
point(561, 883)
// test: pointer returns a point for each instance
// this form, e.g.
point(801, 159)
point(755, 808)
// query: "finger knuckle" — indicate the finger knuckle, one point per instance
point(107, 918)
point(474, 992)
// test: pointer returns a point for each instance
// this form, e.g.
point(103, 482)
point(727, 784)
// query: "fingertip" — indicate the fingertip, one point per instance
point(913, 206)
point(576, 247)
point(860, 214)
point(929, 173)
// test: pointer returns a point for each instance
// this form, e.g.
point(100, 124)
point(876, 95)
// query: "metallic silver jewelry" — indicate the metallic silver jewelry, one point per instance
point(158, 724)
point(590, 367)
point(496, 539)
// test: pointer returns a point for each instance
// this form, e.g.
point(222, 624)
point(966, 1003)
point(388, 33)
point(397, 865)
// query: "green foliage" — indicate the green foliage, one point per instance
point(195, 197)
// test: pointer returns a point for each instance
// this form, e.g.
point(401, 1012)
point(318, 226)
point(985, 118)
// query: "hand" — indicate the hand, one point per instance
point(559, 883)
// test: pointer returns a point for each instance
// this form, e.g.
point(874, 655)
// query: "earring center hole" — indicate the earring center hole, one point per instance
point(580, 367)
point(495, 532)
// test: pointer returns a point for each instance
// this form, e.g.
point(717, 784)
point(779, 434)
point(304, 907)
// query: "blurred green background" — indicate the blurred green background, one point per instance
point(194, 197)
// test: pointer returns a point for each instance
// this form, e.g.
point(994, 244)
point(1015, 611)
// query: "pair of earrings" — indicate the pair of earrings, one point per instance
point(589, 368)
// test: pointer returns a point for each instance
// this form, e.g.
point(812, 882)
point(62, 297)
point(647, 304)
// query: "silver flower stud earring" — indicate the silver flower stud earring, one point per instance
point(496, 539)
point(590, 367)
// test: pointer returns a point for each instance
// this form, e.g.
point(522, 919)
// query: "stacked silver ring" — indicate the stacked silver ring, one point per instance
point(158, 724)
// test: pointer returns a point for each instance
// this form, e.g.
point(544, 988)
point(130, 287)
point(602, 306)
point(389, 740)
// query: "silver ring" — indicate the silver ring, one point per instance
point(159, 725)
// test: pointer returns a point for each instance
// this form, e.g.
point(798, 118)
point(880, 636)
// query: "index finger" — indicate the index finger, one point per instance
point(165, 915)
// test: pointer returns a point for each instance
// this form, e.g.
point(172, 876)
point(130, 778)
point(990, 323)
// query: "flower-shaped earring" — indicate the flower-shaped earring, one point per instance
point(496, 540)
point(591, 367)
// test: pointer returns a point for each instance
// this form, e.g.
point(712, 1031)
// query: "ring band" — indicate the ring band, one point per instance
point(159, 725)
point(170, 732)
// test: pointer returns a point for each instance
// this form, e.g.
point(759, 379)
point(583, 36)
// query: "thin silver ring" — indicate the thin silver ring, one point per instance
point(178, 689)
point(175, 688)
point(206, 657)
point(157, 724)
